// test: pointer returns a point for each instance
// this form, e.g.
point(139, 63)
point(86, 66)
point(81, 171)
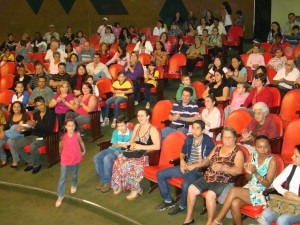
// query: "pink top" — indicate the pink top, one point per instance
point(238, 100)
point(255, 59)
point(81, 110)
point(71, 151)
point(60, 107)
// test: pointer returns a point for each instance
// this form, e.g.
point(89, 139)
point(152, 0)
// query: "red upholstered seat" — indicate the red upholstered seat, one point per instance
point(171, 148)
point(176, 63)
point(161, 112)
point(114, 70)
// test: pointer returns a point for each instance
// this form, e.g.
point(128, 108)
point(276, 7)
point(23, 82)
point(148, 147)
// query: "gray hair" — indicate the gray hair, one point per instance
point(55, 43)
point(261, 106)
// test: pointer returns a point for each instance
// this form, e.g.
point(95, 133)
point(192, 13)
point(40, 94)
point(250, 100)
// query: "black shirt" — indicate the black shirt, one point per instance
point(44, 127)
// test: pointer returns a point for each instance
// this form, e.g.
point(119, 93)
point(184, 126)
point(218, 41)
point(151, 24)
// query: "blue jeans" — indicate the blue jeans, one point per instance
point(63, 176)
point(104, 164)
point(135, 89)
point(189, 178)
point(169, 130)
point(146, 90)
point(98, 75)
point(282, 219)
point(3, 156)
point(117, 100)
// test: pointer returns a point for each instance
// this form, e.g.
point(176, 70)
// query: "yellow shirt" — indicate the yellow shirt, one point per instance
point(154, 82)
point(9, 58)
point(126, 85)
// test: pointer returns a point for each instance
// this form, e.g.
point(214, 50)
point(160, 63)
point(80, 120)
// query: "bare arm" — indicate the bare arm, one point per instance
point(81, 144)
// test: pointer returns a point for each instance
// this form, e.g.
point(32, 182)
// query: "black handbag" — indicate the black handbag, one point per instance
point(134, 154)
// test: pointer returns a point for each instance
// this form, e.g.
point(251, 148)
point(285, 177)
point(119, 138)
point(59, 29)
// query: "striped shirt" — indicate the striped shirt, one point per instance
point(187, 111)
point(196, 153)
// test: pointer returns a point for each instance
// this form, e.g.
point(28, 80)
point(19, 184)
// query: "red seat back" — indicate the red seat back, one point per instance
point(199, 87)
point(95, 39)
point(5, 96)
point(278, 122)
point(271, 73)
point(130, 47)
point(267, 57)
point(46, 65)
point(176, 61)
point(114, 70)
point(160, 112)
point(104, 86)
point(40, 56)
point(239, 120)
point(244, 58)
point(276, 96)
point(144, 58)
point(297, 50)
point(189, 40)
point(266, 46)
point(171, 148)
point(6, 81)
point(7, 68)
point(30, 67)
point(161, 71)
point(250, 76)
point(113, 48)
point(289, 105)
point(287, 49)
point(147, 31)
point(153, 39)
point(173, 39)
point(290, 140)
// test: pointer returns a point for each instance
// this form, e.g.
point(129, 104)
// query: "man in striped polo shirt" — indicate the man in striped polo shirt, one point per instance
point(184, 112)
point(196, 147)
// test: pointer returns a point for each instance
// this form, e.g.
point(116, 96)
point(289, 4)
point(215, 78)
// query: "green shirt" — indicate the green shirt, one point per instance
point(179, 92)
point(46, 93)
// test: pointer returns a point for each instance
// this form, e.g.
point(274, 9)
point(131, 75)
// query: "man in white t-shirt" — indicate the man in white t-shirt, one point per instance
point(286, 77)
point(101, 29)
point(97, 69)
point(54, 48)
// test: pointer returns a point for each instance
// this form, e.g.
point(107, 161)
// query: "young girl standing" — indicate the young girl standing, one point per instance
point(72, 149)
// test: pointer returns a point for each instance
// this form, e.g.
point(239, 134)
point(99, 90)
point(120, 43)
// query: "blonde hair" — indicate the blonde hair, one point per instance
point(62, 83)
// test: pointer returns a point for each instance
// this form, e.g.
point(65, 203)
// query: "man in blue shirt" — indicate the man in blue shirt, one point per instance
point(196, 147)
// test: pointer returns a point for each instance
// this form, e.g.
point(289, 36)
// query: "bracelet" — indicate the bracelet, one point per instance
point(217, 222)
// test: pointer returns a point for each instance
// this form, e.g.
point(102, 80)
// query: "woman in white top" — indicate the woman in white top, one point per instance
point(211, 115)
point(202, 26)
point(108, 37)
point(226, 15)
point(143, 45)
point(159, 29)
point(291, 175)
point(120, 57)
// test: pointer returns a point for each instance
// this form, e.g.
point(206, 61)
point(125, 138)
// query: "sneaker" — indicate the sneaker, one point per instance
point(114, 123)
point(136, 102)
point(105, 122)
point(73, 189)
point(164, 205)
point(117, 191)
point(261, 221)
point(105, 188)
point(148, 105)
point(59, 201)
point(175, 209)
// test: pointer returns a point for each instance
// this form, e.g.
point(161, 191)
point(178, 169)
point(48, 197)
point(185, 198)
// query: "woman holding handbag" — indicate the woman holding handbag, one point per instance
point(290, 176)
point(128, 169)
